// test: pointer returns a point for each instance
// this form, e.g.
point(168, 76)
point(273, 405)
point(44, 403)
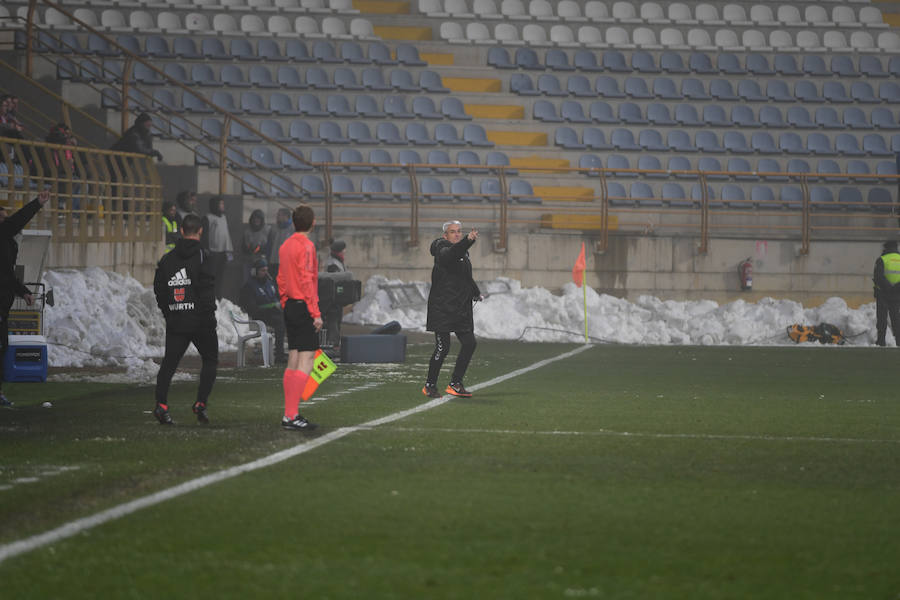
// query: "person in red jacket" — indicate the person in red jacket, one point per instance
point(298, 285)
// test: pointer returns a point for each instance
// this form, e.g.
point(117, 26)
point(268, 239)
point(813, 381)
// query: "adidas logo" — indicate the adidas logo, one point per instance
point(180, 278)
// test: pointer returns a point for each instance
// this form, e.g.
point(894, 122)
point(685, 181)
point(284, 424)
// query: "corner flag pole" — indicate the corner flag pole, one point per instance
point(584, 294)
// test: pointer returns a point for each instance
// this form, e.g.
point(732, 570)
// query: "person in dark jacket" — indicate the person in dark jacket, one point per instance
point(255, 241)
point(138, 138)
point(171, 224)
point(450, 307)
point(259, 298)
point(216, 239)
point(333, 314)
point(186, 203)
point(10, 286)
point(184, 286)
point(887, 292)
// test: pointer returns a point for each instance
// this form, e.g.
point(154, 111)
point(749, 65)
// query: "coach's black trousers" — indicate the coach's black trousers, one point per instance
point(442, 348)
point(207, 344)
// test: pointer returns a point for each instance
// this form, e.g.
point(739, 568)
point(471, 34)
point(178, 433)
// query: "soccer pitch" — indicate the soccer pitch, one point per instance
point(598, 472)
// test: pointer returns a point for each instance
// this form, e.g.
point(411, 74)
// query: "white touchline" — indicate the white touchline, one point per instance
point(77, 526)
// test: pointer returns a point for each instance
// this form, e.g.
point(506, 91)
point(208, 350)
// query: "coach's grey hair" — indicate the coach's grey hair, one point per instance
point(448, 224)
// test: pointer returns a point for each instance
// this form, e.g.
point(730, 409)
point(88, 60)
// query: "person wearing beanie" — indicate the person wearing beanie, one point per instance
point(138, 138)
point(886, 277)
point(259, 299)
point(333, 314)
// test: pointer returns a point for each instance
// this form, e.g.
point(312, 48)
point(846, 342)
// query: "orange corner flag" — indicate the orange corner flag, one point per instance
point(578, 269)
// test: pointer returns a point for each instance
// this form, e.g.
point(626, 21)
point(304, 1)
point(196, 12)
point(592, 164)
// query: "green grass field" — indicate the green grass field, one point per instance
point(618, 472)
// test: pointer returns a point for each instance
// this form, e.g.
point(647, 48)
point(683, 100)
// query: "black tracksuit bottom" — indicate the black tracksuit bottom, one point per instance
point(442, 348)
point(207, 343)
point(887, 305)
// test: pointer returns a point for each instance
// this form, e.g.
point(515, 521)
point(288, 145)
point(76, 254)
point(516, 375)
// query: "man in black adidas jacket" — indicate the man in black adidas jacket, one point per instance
point(185, 292)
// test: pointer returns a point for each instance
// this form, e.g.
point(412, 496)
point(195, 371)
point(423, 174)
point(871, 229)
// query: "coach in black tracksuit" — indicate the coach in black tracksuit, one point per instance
point(185, 292)
point(450, 307)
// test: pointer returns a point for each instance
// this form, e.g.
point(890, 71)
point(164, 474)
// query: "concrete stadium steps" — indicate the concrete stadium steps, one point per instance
point(495, 111)
point(517, 138)
point(473, 84)
point(403, 32)
point(383, 7)
point(571, 193)
point(537, 162)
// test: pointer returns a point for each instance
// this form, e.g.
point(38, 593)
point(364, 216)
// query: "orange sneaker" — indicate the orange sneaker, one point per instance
point(457, 389)
point(430, 390)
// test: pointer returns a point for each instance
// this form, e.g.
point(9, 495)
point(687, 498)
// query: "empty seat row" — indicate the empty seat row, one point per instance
point(113, 20)
point(726, 63)
point(692, 88)
point(668, 37)
point(762, 142)
point(715, 115)
point(653, 12)
point(260, 76)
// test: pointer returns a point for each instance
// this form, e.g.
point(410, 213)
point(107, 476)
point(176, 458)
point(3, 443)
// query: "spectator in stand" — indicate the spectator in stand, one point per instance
point(217, 239)
point(171, 224)
point(10, 125)
point(62, 163)
point(186, 202)
point(138, 138)
point(259, 298)
point(284, 228)
point(256, 240)
point(333, 314)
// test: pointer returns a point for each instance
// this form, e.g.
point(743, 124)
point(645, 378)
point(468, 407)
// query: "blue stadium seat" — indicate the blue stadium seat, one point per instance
point(791, 143)
point(463, 190)
point(213, 49)
point(693, 89)
point(296, 50)
point(453, 108)
point(636, 87)
point(380, 54)
point(164, 100)
point(382, 158)
point(614, 61)
point(232, 76)
point(301, 131)
point(498, 57)
point(312, 186)
point(711, 167)
point(721, 89)
point(352, 155)
point(798, 116)
point(410, 157)
point(601, 112)
point(288, 77)
point(590, 161)
point(345, 79)
point(880, 200)
point(883, 118)
point(797, 165)
point(778, 91)
point(664, 87)
point(407, 54)
point(251, 184)
point(617, 161)
point(309, 105)
point(701, 64)
point(395, 107)
point(835, 92)
point(338, 105)
point(671, 62)
point(475, 135)
point(360, 133)
point(432, 190)
point(814, 66)
point(252, 103)
point(567, 138)
point(735, 142)
point(889, 91)
point(321, 155)
point(861, 91)
point(643, 62)
point(748, 89)
point(714, 116)
point(290, 162)
point(243, 134)
point(845, 144)
point(697, 195)
point(616, 194)
point(578, 85)
point(791, 197)
point(401, 188)
point(352, 52)
point(522, 192)
point(757, 64)
point(496, 158)
point(642, 193)
point(387, 133)
point(855, 118)
point(762, 142)
point(331, 132)
point(424, 108)
point(211, 127)
point(842, 66)
point(261, 77)
point(549, 85)
point(675, 196)
point(343, 189)
point(786, 64)
point(526, 58)
point(770, 165)
point(432, 82)
point(417, 134)
point(857, 167)
point(607, 87)
point(269, 51)
point(157, 47)
point(874, 145)
point(686, 114)
point(623, 139)
point(764, 197)
point(202, 74)
point(572, 112)
point(586, 60)
point(806, 91)
point(264, 157)
point(366, 106)
point(887, 169)
point(595, 139)
point(850, 198)
point(630, 113)
point(447, 135)
point(317, 77)
point(821, 198)
point(658, 114)
point(373, 79)
point(680, 141)
point(491, 190)
point(193, 104)
point(827, 166)
point(402, 81)
point(871, 66)
point(737, 165)
point(185, 47)
point(743, 116)
point(680, 163)
point(651, 139)
point(205, 156)
point(734, 197)
point(521, 84)
point(469, 162)
point(372, 188)
point(650, 162)
point(770, 116)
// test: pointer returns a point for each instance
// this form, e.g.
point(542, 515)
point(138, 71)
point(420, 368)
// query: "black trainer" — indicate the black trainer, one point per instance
point(456, 388)
point(199, 409)
point(162, 415)
point(298, 423)
point(430, 390)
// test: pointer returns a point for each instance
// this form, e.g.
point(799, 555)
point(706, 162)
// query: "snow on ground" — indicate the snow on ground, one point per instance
point(104, 319)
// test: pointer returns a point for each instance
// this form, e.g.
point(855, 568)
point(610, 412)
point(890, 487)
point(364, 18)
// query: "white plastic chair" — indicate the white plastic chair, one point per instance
point(257, 329)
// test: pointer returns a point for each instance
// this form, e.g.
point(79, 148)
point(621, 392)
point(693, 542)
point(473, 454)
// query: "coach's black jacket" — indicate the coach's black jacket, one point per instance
point(9, 248)
point(452, 287)
point(185, 288)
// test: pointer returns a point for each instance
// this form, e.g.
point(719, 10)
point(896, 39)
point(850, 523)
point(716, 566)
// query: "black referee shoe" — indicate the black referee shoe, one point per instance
point(162, 415)
point(298, 423)
point(199, 409)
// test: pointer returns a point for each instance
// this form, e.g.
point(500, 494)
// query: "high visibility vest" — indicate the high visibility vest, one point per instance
point(891, 267)
point(172, 227)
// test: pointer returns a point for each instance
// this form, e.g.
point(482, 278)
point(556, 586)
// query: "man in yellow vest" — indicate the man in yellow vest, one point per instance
point(887, 292)
point(170, 224)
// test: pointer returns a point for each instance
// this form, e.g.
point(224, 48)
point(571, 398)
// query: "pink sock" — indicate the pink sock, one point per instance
point(294, 382)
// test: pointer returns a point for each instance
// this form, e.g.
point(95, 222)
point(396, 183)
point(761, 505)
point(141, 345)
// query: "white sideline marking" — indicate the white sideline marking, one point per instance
point(636, 434)
point(77, 526)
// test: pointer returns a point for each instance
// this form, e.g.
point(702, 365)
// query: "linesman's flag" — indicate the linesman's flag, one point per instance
point(578, 269)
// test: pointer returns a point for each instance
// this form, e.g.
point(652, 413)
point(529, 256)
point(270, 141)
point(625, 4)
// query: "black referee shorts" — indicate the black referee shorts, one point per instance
point(298, 324)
